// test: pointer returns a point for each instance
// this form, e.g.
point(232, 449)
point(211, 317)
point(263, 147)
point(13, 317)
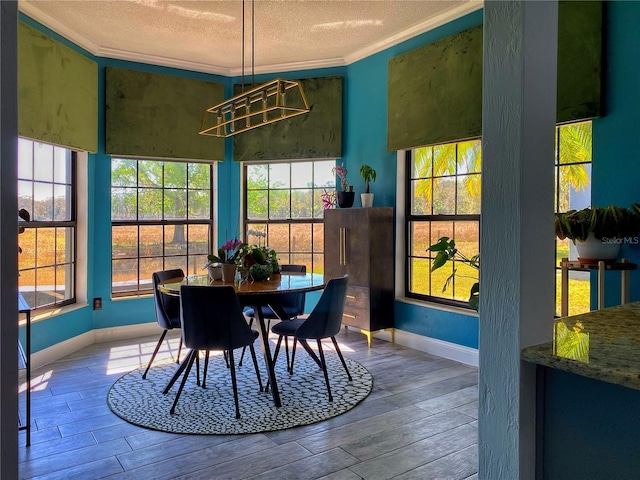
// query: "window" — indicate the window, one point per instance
point(161, 218)
point(443, 200)
point(284, 201)
point(573, 191)
point(46, 189)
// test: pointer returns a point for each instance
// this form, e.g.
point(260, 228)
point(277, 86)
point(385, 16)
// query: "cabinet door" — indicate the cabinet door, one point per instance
point(333, 254)
point(356, 239)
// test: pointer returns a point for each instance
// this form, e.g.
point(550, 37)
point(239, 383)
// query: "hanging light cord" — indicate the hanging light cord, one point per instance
point(242, 46)
point(253, 41)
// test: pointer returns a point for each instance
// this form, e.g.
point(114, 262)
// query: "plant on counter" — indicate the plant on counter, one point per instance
point(368, 174)
point(606, 223)
point(446, 251)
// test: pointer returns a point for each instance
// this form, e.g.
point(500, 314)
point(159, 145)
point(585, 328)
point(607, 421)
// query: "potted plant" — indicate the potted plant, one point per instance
point(598, 232)
point(445, 251)
point(228, 256)
point(344, 197)
point(368, 174)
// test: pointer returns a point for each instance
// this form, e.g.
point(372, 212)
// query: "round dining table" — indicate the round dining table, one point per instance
point(257, 294)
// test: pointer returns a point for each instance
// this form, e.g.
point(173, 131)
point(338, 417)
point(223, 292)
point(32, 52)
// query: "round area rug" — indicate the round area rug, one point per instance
point(211, 411)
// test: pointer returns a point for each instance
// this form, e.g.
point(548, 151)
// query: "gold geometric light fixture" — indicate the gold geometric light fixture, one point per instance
point(270, 102)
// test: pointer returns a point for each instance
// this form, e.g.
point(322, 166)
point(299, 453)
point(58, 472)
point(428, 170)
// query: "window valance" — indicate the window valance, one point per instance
point(317, 134)
point(57, 92)
point(435, 91)
point(158, 116)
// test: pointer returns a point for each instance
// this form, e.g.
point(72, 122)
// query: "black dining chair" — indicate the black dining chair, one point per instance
point(323, 322)
point(167, 309)
point(212, 319)
point(288, 307)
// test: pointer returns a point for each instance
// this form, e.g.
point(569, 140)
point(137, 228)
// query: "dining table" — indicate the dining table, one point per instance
point(257, 294)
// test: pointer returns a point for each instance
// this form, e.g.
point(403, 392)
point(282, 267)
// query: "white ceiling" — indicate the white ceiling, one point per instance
point(205, 35)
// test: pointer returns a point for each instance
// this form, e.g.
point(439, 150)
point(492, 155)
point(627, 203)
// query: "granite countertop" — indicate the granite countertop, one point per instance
point(604, 344)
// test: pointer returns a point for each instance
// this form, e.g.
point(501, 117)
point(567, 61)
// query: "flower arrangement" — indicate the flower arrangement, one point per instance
point(328, 200)
point(229, 252)
point(260, 254)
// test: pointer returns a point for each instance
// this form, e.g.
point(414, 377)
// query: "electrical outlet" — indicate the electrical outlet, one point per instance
point(97, 303)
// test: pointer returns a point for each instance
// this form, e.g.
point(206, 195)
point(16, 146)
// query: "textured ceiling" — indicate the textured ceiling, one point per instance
point(206, 35)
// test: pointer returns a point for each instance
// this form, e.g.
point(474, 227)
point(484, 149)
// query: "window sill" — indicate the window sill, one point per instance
point(48, 313)
point(438, 306)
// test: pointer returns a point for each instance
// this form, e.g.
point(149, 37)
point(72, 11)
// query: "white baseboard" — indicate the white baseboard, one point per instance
point(452, 351)
point(101, 335)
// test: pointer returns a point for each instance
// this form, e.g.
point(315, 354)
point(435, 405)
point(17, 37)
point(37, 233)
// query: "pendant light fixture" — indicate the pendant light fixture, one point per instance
point(270, 102)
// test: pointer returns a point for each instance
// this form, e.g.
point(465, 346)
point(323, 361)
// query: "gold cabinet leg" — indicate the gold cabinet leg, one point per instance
point(369, 335)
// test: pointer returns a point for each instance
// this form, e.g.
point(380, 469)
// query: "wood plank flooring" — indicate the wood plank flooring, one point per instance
point(419, 422)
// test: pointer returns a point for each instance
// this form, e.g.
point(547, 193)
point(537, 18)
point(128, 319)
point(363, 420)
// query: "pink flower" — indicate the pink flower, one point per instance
point(231, 245)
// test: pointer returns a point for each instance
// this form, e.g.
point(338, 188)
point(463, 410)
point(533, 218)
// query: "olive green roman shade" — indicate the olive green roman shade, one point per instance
point(57, 92)
point(156, 115)
point(435, 91)
point(317, 134)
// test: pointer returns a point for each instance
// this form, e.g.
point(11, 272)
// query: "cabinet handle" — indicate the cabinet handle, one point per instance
point(351, 297)
point(343, 246)
point(348, 316)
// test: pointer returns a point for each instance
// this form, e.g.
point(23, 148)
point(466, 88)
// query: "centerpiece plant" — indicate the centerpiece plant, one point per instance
point(260, 260)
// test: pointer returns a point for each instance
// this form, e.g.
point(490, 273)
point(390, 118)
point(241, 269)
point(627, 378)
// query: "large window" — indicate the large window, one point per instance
point(443, 185)
point(573, 191)
point(283, 201)
point(161, 218)
point(46, 189)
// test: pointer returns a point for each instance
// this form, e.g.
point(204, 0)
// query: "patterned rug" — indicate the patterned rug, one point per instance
point(211, 411)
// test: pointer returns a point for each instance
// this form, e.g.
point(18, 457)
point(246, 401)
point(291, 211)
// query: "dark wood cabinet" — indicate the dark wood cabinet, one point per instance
point(359, 242)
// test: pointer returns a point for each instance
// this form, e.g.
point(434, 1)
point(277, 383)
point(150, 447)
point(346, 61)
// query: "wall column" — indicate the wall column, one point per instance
point(8, 240)
point(517, 239)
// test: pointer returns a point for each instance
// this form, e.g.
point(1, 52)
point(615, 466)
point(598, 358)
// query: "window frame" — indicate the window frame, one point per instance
point(411, 218)
point(72, 224)
point(248, 224)
point(210, 222)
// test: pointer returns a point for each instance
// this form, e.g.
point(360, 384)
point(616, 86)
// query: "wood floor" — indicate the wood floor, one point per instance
point(418, 422)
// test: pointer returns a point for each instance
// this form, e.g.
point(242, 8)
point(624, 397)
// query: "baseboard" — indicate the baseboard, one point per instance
point(452, 351)
point(55, 352)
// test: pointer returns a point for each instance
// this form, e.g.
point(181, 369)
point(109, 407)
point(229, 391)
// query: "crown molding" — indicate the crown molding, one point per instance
point(414, 31)
point(27, 8)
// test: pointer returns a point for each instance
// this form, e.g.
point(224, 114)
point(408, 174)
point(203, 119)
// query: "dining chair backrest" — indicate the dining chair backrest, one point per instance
point(167, 306)
point(212, 318)
point(293, 303)
point(326, 318)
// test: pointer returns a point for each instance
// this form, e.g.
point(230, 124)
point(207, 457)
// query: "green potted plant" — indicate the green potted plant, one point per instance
point(368, 174)
point(598, 232)
point(446, 251)
point(228, 256)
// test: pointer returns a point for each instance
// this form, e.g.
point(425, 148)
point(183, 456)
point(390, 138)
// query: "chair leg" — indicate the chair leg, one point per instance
point(176, 374)
point(226, 358)
point(234, 383)
point(179, 349)
point(144, 375)
point(198, 368)
point(324, 369)
point(344, 364)
point(245, 348)
point(255, 365)
point(204, 372)
point(286, 350)
point(293, 355)
point(189, 361)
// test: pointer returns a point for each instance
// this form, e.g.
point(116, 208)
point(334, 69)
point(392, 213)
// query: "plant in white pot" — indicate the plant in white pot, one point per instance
point(368, 174)
point(598, 232)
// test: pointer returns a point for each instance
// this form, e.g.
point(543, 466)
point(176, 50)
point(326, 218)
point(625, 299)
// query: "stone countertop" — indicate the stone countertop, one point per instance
point(603, 344)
